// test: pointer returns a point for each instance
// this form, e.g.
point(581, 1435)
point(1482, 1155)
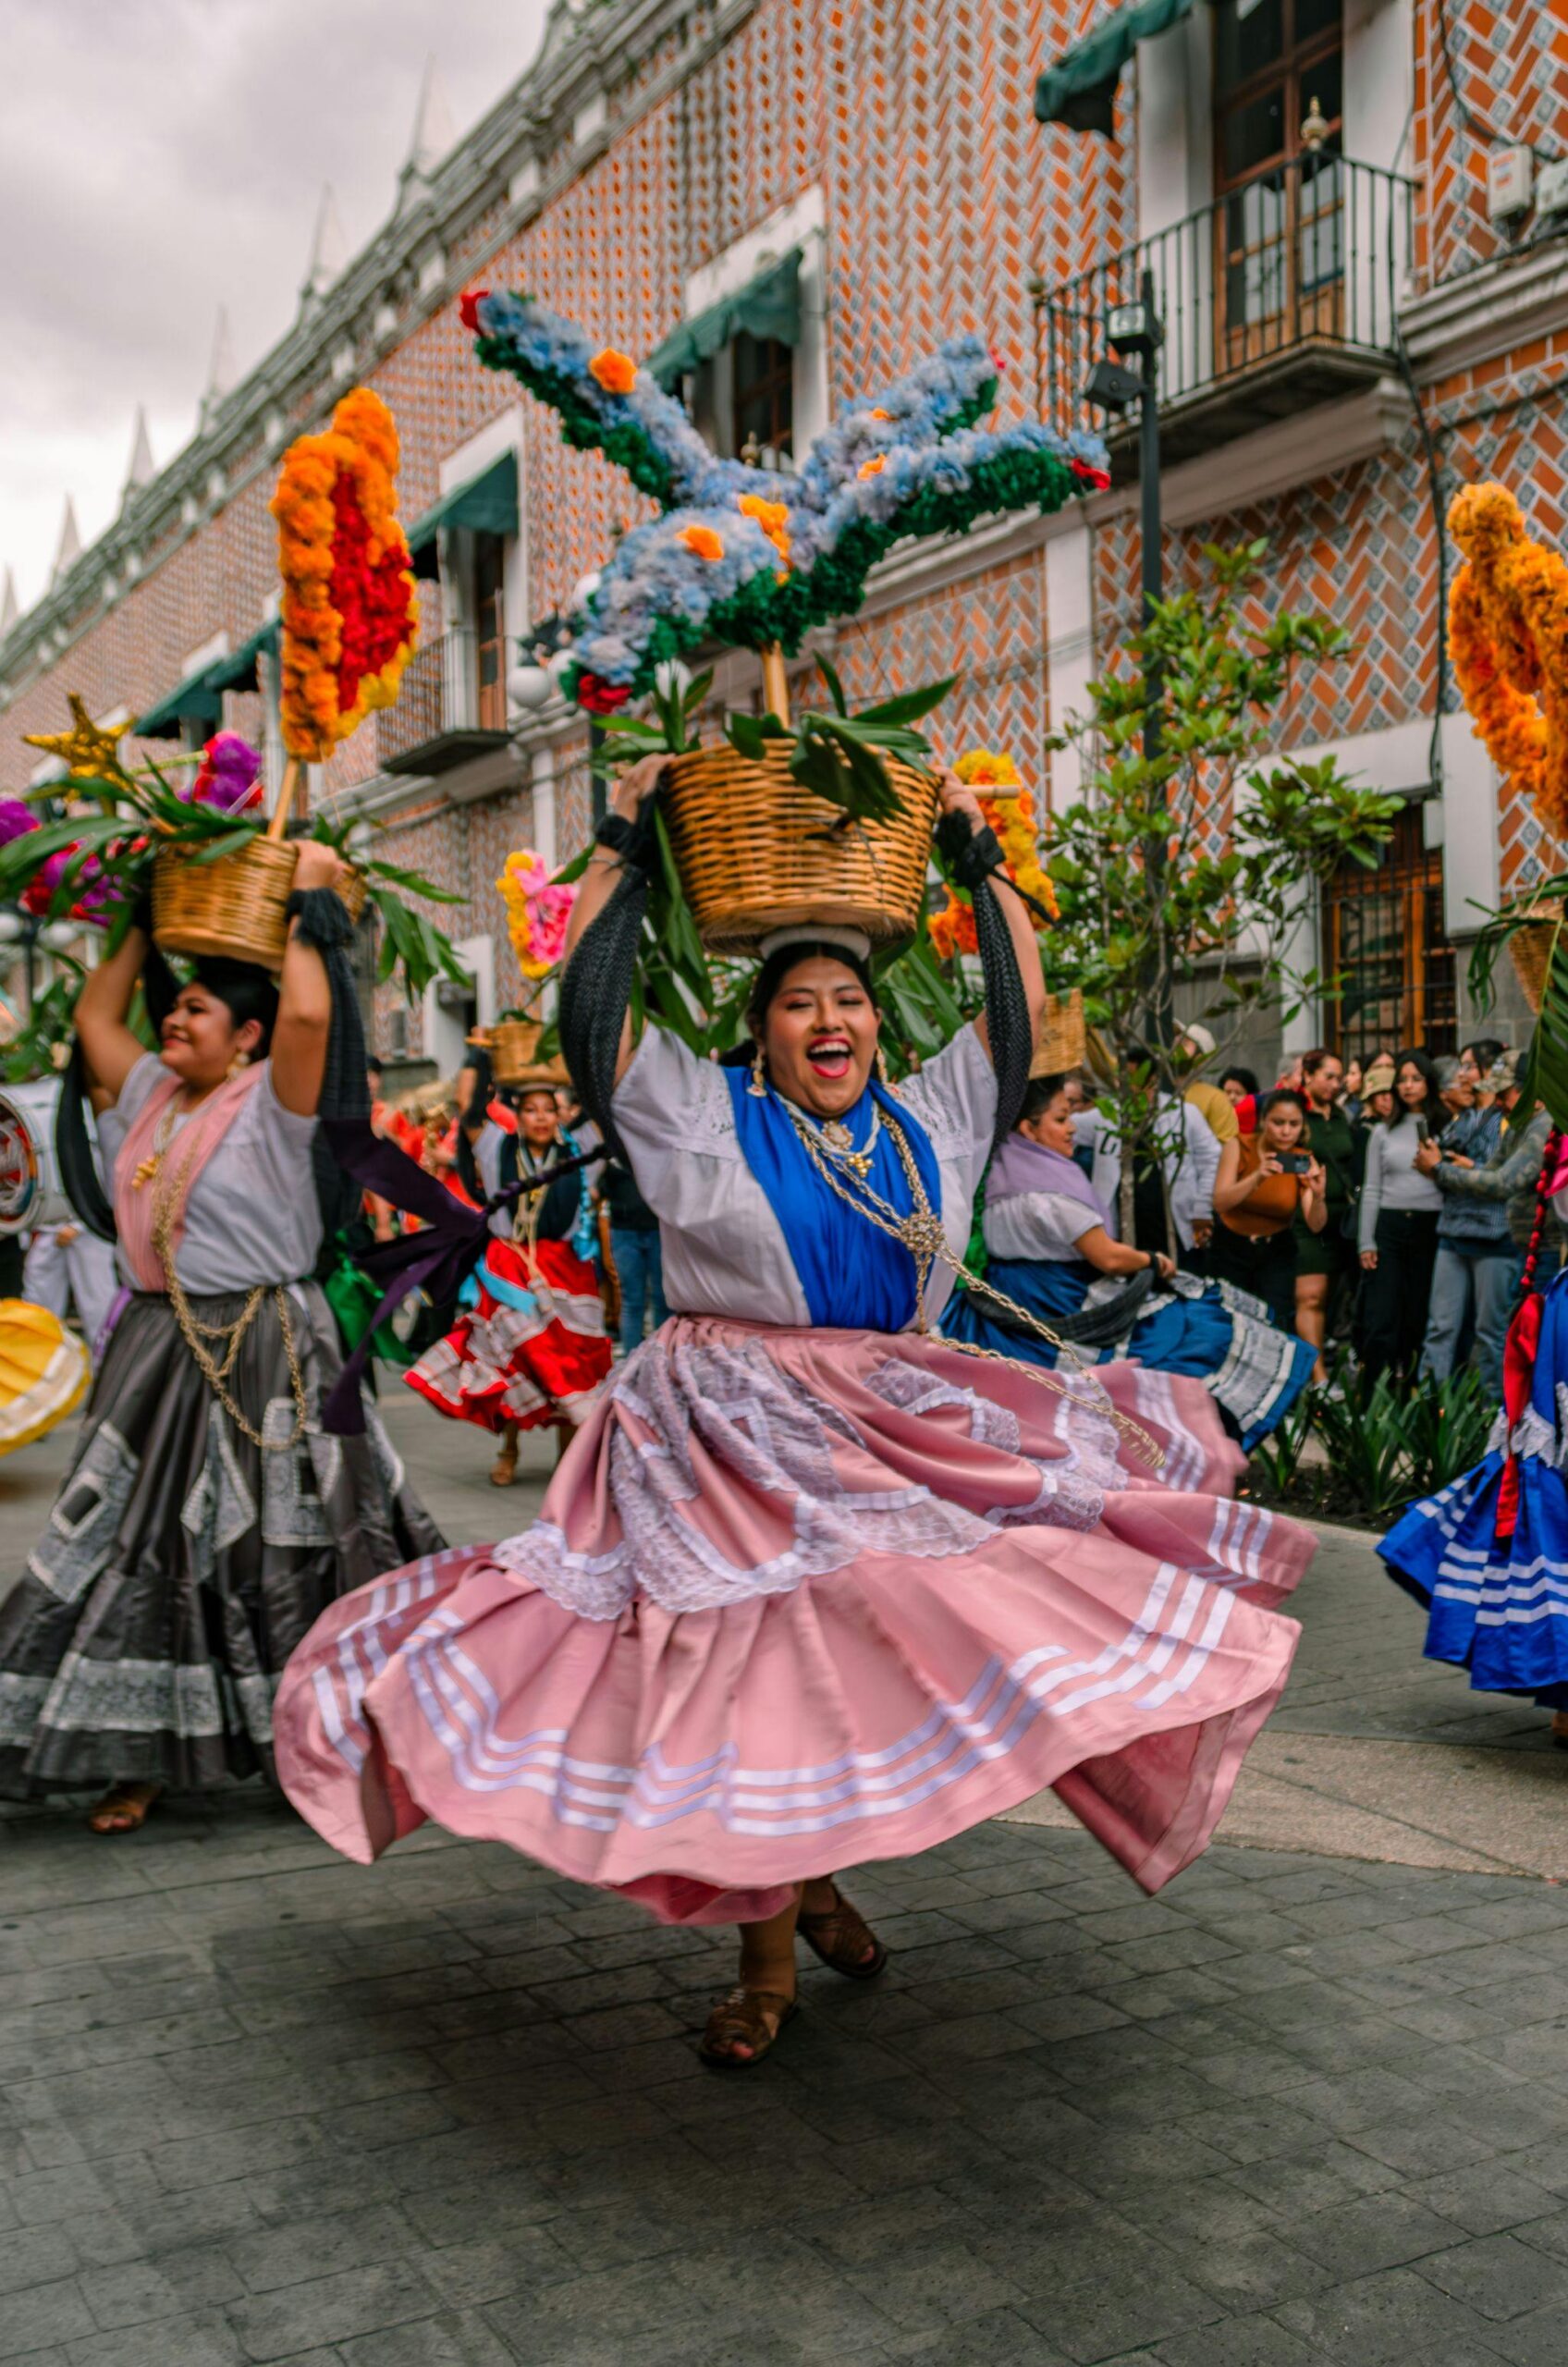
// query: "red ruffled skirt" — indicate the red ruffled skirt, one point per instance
point(532, 1350)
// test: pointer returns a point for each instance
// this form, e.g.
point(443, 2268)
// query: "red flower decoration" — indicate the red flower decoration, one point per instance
point(599, 697)
point(1098, 478)
point(468, 307)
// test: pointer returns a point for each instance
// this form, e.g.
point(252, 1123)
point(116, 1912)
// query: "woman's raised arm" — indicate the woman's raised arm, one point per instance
point(304, 999)
point(112, 1051)
point(958, 799)
point(598, 884)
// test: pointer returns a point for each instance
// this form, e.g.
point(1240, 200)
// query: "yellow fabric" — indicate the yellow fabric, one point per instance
point(1216, 1107)
point(43, 1373)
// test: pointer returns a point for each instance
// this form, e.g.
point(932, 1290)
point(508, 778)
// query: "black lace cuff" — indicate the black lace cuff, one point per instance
point(971, 854)
point(322, 915)
point(633, 842)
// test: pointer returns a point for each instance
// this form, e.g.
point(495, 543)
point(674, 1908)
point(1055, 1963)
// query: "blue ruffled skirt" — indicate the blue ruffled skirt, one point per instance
point(1210, 1331)
point(1501, 1609)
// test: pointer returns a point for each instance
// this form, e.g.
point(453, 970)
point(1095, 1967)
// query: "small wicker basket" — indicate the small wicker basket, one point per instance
point(1531, 948)
point(514, 1048)
point(1064, 1042)
point(756, 851)
point(236, 905)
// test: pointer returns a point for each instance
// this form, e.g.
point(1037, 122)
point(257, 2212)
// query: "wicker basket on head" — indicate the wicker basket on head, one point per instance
point(1064, 1042)
point(514, 1048)
point(757, 852)
point(1531, 948)
point(235, 907)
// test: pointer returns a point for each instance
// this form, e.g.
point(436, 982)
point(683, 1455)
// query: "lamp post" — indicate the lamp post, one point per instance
point(1135, 328)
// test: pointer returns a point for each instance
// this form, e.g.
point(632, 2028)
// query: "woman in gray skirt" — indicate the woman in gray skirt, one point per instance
point(207, 1520)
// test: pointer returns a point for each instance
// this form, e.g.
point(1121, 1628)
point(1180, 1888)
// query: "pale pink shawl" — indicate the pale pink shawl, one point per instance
point(194, 1145)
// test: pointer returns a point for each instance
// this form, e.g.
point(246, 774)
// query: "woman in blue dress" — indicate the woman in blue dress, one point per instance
point(1051, 1248)
point(1487, 1555)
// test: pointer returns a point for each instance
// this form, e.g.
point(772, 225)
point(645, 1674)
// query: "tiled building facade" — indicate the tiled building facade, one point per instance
point(658, 153)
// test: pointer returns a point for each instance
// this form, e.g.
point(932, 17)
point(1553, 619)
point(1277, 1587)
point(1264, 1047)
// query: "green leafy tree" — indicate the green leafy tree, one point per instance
point(1194, 874)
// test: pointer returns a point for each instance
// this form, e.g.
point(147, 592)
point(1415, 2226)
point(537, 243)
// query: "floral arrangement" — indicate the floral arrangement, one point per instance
point(1508, 638)
point(1009, 811)
point(538, 909)
point(351, 610)
point(96, 864)
point(744, 555)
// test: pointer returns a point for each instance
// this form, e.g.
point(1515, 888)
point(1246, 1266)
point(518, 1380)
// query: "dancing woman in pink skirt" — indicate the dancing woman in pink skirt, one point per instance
point(811, 1584)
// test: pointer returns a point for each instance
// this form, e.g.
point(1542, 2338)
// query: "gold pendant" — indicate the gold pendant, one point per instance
point(146, 1170)
point(838, 1137)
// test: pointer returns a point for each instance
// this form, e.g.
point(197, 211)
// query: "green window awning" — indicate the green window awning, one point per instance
point(485, 505)
point(1080, 89)
point(196, 701)
point(768, 306)
point(238, 672)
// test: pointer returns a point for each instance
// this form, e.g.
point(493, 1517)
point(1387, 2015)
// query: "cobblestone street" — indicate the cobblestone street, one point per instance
point(1310, 2104)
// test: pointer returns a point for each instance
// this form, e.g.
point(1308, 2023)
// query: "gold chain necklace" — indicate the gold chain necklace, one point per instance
point(923, 1235)
point(162, 1134)
point(168, 1198)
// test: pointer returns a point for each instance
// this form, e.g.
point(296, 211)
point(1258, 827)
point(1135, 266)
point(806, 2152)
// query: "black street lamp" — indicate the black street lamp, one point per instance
point(1137, 329)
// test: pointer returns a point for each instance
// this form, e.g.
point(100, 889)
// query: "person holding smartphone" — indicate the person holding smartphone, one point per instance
point(1266, 1181)
point(1398, 1232)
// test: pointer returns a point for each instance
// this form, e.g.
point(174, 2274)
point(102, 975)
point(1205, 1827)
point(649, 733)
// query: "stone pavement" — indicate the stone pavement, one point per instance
point(258, 2104)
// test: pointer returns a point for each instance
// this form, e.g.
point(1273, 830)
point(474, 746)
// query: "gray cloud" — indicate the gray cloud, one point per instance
point(160, 158)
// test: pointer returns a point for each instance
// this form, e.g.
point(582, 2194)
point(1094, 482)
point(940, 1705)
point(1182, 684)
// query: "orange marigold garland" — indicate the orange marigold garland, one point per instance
point(1508, 639)
point(350, 609)
point(1010, 810)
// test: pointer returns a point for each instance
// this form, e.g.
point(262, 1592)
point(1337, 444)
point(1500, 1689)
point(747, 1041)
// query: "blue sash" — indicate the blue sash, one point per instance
point(855, 1276)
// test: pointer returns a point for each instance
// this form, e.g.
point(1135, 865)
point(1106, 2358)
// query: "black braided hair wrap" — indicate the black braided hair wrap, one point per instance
point(597, 987)
point(972, 857)
point(323, 923)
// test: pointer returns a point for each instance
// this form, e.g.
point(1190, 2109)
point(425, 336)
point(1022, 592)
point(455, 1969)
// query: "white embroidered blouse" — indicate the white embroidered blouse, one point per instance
point(723, 1250)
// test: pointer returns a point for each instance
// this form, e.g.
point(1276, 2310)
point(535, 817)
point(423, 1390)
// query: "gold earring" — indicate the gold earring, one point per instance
point(883, 1078)
point(759, 1076)
point(240, 1060)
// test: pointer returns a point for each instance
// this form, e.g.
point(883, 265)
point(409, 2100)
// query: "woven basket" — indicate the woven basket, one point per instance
point(234, 906)
point(1531, 948)
point(756, 851)
point(1064, 1042)
point(514, 1048)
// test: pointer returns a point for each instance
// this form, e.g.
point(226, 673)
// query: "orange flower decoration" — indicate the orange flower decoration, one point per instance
point(702, 541)
point(1508, 638)
point(617, 373)
point(773, 517)
point(1010, 810)
point(873, 467)
point(351, 610)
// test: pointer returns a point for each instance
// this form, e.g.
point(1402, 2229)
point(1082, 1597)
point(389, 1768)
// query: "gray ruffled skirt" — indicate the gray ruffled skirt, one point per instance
point(181, 1564)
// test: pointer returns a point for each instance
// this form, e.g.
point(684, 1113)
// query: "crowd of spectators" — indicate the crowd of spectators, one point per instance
point(1386, 1206)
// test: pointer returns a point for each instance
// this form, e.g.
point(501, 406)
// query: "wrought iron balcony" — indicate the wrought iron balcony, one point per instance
point(1277, 296)
point(451, 707)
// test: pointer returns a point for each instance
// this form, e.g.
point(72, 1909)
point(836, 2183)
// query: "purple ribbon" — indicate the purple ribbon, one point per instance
point(437, 1261)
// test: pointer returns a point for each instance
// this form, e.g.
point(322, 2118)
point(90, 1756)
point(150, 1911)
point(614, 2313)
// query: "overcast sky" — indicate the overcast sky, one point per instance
point(160, 158)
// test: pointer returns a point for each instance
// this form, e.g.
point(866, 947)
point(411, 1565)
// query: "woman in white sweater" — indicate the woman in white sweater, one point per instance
point(1397, 1230)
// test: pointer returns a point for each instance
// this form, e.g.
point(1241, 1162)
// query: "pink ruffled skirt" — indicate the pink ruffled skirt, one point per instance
point(799, 1598)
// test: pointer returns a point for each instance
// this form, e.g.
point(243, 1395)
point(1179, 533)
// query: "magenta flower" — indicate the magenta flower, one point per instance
point(230, 776)
point(16, 819)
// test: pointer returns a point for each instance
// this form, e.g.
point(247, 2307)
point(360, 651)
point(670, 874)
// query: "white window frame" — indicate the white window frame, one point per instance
point(505, 433)
point(803, 223)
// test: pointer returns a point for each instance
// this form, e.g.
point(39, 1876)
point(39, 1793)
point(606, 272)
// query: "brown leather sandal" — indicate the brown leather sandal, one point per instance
point(841, 1936)
point(503, 1471)
point(751, 2017)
